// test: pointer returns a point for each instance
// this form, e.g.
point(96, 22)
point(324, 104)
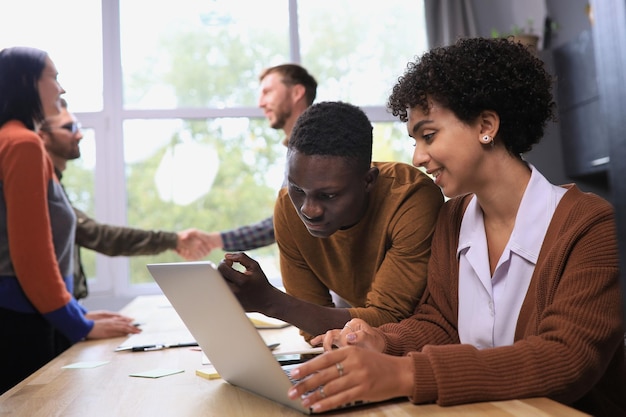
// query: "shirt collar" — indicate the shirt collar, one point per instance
point(533, 217)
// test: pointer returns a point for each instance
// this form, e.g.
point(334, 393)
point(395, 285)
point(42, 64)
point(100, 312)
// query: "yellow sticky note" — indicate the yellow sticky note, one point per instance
point(208, 373)
point(262, 321)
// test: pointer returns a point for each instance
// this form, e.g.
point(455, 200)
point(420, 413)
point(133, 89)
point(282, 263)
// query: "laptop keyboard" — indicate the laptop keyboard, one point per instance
point(294, 381)
point(287, 370)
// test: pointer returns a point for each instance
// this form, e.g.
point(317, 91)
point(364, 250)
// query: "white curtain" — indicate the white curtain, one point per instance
point(448, 20)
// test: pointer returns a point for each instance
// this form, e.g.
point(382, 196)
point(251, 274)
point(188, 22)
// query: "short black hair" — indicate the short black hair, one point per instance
point(334, 128)
point(477, 74)
point(295, 74)
point(20, 70)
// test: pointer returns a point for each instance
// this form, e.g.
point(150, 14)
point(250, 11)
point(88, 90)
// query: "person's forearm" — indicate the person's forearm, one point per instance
point(308, 317)
point(249, 237)
point(114, 240)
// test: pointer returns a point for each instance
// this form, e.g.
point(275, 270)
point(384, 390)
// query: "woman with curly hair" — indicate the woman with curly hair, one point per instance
point(522, 296)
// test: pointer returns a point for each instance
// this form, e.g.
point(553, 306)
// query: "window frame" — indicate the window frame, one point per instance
point(112, 273)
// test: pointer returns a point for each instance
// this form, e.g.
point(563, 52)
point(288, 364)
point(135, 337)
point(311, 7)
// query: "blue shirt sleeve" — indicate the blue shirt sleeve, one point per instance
point(71, 321)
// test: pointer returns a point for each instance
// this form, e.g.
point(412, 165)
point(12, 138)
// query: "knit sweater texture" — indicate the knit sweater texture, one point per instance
point(569, 340)
point(378, 265)
point(36, 235)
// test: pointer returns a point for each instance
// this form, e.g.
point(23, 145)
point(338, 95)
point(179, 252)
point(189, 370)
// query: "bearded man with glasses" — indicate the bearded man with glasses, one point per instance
point(61, 135)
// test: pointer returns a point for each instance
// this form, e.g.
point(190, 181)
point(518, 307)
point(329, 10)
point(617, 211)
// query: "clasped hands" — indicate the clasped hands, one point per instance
point(194, 244)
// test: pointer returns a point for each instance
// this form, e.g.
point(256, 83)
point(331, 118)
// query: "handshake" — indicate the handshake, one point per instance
point(194, 244)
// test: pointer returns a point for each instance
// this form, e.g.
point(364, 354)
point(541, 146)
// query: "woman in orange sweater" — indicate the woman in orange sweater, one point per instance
point(39, 318)
point(522, 296)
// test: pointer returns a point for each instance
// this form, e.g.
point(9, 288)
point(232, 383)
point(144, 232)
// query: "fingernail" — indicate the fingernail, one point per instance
point(295, 373)
point(293, 393)
point(351, 337)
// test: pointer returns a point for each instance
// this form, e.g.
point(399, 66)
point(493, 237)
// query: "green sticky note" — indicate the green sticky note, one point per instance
point(83, 365)
point(157, 373)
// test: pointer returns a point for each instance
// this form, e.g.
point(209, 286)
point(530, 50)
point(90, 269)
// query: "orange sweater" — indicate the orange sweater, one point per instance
point(37, 224)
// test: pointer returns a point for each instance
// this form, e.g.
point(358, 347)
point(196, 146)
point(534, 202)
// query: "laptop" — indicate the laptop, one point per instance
point(213, 315)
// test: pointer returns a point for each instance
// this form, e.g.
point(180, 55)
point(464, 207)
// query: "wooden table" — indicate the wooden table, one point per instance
point(108, 390)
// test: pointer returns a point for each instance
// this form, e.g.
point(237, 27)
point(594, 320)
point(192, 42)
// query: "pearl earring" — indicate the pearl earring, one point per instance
point(486, 139)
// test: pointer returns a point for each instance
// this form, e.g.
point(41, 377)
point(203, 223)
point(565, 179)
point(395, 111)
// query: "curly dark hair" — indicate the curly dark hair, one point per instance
point(334, 128)
point(477, 74)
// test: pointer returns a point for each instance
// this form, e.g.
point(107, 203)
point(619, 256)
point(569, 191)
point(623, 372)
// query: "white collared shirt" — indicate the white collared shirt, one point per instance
point(489, 306)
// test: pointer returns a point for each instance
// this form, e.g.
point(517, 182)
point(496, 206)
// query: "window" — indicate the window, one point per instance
point(168, 98)
point(71, 32)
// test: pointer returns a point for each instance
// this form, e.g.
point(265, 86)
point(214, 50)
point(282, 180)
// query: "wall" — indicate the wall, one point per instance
point(609, 33)
point(503, 14)
point(571, 17)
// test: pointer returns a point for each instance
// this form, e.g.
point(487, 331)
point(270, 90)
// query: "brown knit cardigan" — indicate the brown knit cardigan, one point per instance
point(569, 341)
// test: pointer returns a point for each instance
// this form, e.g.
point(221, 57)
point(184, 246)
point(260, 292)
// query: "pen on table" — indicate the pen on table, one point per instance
point(147, 348)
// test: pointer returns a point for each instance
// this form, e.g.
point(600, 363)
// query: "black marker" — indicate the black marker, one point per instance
point(147, 348)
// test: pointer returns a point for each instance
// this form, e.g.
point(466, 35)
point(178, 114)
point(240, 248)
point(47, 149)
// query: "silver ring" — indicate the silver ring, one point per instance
point(348, 327)
point(321, 390)
point(339, 367)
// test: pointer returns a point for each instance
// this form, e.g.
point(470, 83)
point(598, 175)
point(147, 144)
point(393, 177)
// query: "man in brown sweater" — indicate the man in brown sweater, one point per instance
point(343, 224)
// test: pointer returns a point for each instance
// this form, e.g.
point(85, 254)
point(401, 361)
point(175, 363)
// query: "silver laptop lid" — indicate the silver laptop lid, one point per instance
point(219, 324)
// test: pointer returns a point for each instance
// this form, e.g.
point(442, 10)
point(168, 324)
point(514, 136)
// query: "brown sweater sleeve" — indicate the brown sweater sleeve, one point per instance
point(569, 340)
point(121, 241)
